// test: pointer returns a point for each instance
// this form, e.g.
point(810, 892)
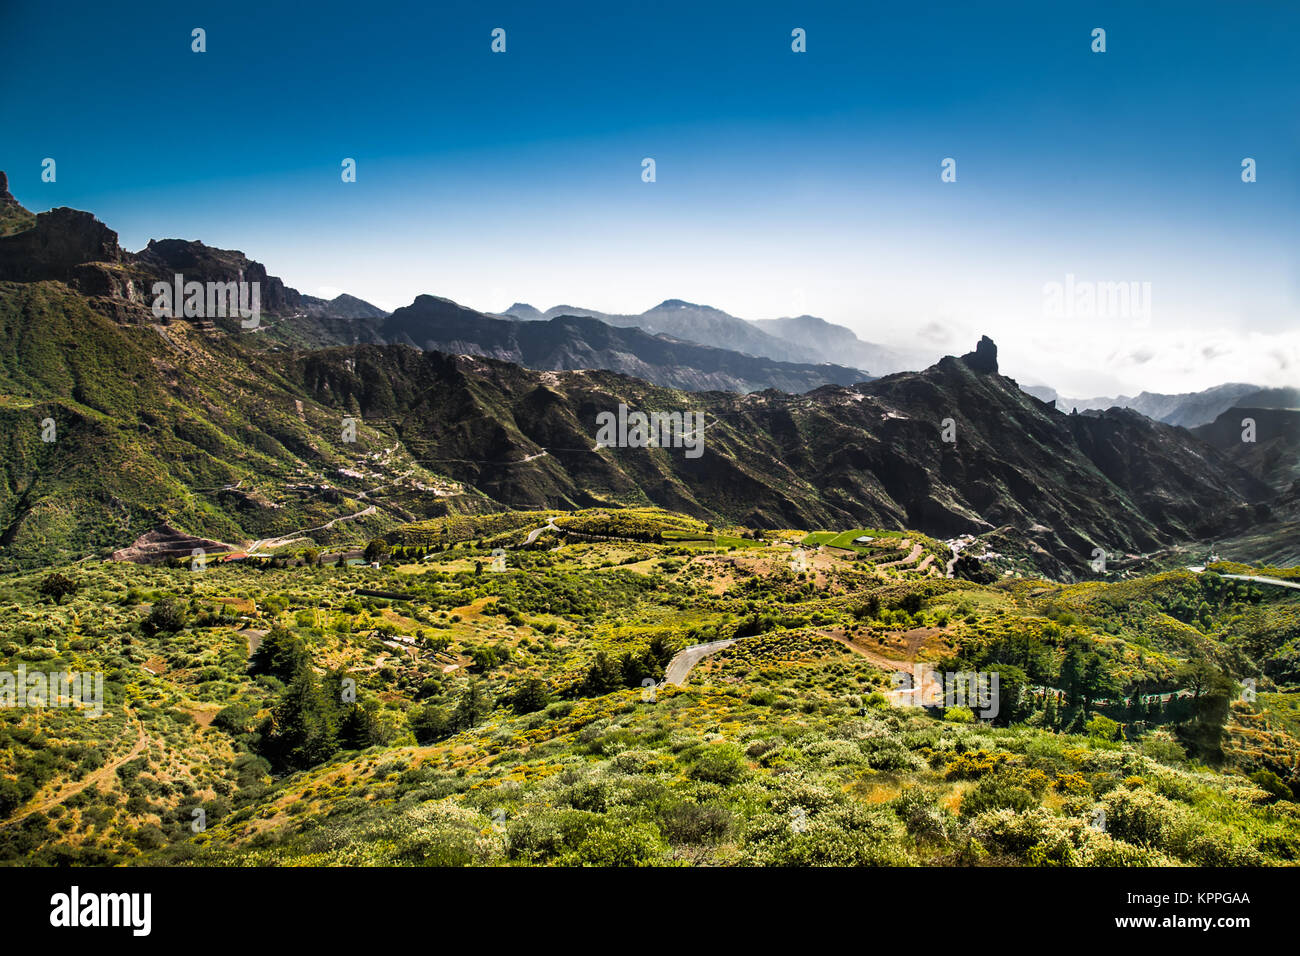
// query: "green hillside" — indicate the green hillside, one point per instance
point(503, 717)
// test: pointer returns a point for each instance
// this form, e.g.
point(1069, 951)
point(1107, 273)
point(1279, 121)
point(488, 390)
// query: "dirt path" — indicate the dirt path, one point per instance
point(929, 560)
point(910, 559)
point(880, 660)
point(901, 695)
point(68, 790)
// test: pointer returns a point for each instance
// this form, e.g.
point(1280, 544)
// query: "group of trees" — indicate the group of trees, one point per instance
point(314, 717)
point(57, 586)
point(165, 617)
point(434, 721)
point(1085, 677)
point(1068, 693)
point(606, 674)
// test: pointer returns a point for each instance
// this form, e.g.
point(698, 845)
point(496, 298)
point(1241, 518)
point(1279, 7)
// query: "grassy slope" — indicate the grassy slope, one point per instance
point(157, 431)
point(781, 729)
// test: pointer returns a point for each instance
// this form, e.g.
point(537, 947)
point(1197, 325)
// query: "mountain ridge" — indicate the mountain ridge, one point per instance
point(805, 339)
point(1188, 409)
point(229, 436)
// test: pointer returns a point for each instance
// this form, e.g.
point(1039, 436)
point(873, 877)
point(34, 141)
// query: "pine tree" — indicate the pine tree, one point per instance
point(532, 695)
point(604, 676)
point(1073, 675)
point(1049, 711)
point(280, 654)
point(430, 724)
point(356, 728)
point(302, 730)
point(473, 706)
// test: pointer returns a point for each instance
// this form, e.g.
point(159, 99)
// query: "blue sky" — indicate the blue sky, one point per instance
point(786, 183)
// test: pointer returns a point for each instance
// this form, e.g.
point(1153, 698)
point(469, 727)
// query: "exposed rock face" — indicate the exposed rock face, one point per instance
point(200, 263)
point(13, 217)
point(165, 542)
point(985, 357)
point(61, 240)
point(867, 455)
point(68, 245)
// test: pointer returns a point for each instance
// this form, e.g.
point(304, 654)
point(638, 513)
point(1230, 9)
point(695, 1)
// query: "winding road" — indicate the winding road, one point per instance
point(1261, 579)
point(956, 545)
point(294, 535)
point(1257, 578)
point(549, 526)
point(679, 668)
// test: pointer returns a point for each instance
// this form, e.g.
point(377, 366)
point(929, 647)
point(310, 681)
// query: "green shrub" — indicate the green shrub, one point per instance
point(618, 843)
point(719, 763)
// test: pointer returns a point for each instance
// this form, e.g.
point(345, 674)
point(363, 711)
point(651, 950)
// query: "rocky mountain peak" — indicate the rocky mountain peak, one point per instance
point(522, 310)
point(60, 240)
point(13, 217)
point(199, 262)
point(985, 357)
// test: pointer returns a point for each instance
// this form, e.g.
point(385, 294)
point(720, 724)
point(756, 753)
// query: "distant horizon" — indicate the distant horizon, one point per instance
point(786, 183)
point(1029, 379)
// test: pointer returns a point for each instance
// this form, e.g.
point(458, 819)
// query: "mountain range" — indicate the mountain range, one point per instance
point(1188, 409)
point(1263, 440)
point(802, 339)
point(117, 423)
point(581, 342)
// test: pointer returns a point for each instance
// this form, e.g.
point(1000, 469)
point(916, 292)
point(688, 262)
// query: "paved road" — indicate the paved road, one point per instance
point(284, 538)
point(952, 562)
point(679, 668)
point(1257, 578)
point(549, 526)
point(1260, 579)
point(254, 639)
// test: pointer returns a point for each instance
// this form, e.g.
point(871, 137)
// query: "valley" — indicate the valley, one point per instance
point(373, 588)
point(503, 716)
